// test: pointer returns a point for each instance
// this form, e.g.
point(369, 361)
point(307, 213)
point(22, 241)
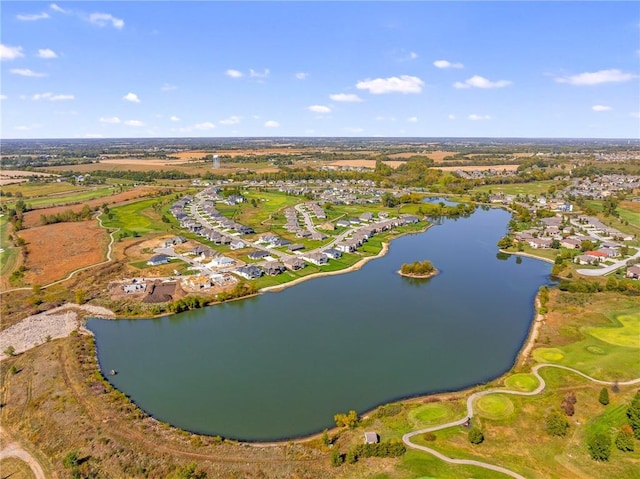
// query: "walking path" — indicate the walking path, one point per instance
point(14, 449)
point(470, 462)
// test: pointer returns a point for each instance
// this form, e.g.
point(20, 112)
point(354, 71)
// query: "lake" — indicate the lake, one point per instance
point(280, 365)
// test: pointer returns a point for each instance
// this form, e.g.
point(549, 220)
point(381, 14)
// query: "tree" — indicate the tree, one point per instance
point(71, 460)
point(604, 396)
point(633, 415)
point(556, 424)
point(349, 420)
point(568, 404)
point(326, 440)
point(599, 447)
point(476, 436)
point(587, 245)
point(624, 440)
point(81, 297)
point(388, 200)
point(336, 458)
point(505, 242)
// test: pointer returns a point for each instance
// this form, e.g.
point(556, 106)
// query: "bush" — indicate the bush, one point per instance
point(633, 415)
point(336, 458)
point(624, 441)
point(599, 447)
point(349, 420)
point(556, 424)
point(429, 436)
point(476, 436)
point(604, 396)
point(568, 404)
point(71, 460)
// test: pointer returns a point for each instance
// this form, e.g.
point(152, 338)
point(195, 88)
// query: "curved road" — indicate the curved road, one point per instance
point(14, 449)
point(470, 462)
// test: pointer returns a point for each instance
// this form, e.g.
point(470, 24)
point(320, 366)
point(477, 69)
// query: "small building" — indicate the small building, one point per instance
point(249, 271)
point(371, 437)
point(633, 272)
point(238, 244)
point(294, 264)
point(296, 247)
point(316, 258)
point(158, 259)
point(332, 253)
point(258, 254)
point(273, 268)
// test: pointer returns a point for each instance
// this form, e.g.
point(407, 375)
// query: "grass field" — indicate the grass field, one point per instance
point(15, 469)
point(65, 199)
point(37, 189)
point(533, 188)
point(138, 217)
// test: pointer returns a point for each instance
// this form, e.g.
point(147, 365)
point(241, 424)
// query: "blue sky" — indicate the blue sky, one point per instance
point(218, 69)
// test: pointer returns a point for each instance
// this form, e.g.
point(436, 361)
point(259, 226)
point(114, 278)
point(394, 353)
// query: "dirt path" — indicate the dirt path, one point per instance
point(485, 465)
point(13, 449)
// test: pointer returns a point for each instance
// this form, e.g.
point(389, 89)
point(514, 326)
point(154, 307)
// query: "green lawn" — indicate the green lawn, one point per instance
point(9, 257)
point(533, 188)
point(138, 217)
point(64, 199)
point(37, 189)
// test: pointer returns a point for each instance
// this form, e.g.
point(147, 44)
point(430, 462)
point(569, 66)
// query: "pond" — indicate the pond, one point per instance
point(280, 365)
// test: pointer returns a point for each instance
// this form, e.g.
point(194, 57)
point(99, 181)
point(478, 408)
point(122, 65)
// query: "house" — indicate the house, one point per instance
point(238, 244)
point(347, 246)
point(540, 243)
point(316, 258)
point(158, 260)
point(294, 264)
point(295, 247)
point(610, 252)
point(234, 200)
point(570, 243)
point(598, 255)
point(343, 223)
point(249, 272)
point(258, 254)
point(174, 241)
point(273, 268)
point(221, 262)
point(371, 438)
point(332, 253)
point(633, 272)
point(366, 217)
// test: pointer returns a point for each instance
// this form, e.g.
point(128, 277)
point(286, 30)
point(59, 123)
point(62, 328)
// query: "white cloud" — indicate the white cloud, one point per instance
point(451, 117)
point(25, 72)
point(174, 118)
point(32, 17)
point(168, 87)
point(3, 97)
point(234, 73)
point(255, 74)
point(62, 97)
point(354, 130)
point(413, 119)
point(635, 114)
point(346, 97)
point(601, 108)
point(477, 81)
point(413, 55)
point(112, 120)
point(271, 124)
point(56, 8)
point(403, 84)
point(132, 97)
point(134, 123)
point(478, 117)
point(319, 109)
point(447, 64)
point(302, 75)
point(104, 19)
point(47, 53)
point(10, 53)
point(26, 127)
point(232, 120)
point(207, 125)
point(595, 78)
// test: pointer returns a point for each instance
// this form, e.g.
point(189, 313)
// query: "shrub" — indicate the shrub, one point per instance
point(429, 436)
point(599, 447)
point(556, 424)
point(10, 351)
point(604, 396)
point(71, 460)
point(349, 420)
point(476, 436)
point(336, 458)
point(624, 441)
point(633, 415)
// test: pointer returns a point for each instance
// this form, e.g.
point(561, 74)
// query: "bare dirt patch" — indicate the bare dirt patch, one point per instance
point(8, 177)
point(479, 168)
point(56, 250)
point(440, 155)
point(364, 163)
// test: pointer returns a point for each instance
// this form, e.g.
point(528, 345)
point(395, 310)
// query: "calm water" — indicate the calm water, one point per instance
point(282, 364)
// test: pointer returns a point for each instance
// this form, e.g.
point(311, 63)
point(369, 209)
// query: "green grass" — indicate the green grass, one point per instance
point(65, 199)
point(533, 188)
point(625, 333)
point(138, 217)
point(521, 382)
point(432, 413)
point(9, 257)
point(494, 406)
point(37, 189)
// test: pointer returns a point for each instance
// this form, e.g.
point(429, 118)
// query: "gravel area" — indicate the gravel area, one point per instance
point(55, 323)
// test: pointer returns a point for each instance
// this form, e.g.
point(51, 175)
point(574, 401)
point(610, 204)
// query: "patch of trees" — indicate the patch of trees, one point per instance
point(475, 436)
point(187, 304)
point(626, 286)
point(633, 415)
point(67, 216)
point(392, 448)
point(387, 410)
point(350, 420)
point(599, 446)
point(240, 290)
point(418, 268)
point(556, 424)
point(568, 404)
point(142, 176)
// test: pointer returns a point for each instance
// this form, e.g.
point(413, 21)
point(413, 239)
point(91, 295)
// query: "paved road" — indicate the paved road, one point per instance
point(14, 449)
point(470, 462)
point(307, 218)
point(608, 269)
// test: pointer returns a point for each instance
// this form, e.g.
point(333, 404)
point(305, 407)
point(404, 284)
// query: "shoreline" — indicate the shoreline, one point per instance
point(527, 255)
point(433, 273)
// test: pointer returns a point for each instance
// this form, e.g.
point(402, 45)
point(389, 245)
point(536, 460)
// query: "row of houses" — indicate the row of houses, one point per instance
point(360, 236)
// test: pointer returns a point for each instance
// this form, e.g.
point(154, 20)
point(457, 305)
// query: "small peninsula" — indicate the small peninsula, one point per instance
point(418, 269)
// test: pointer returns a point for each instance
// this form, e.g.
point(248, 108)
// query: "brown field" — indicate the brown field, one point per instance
point(479, 168)
point(56, 250)
point(199, 154)
point(364, 163)
point(32, 218)
point(631, 205)
point(8, 177)
point(440, 155)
